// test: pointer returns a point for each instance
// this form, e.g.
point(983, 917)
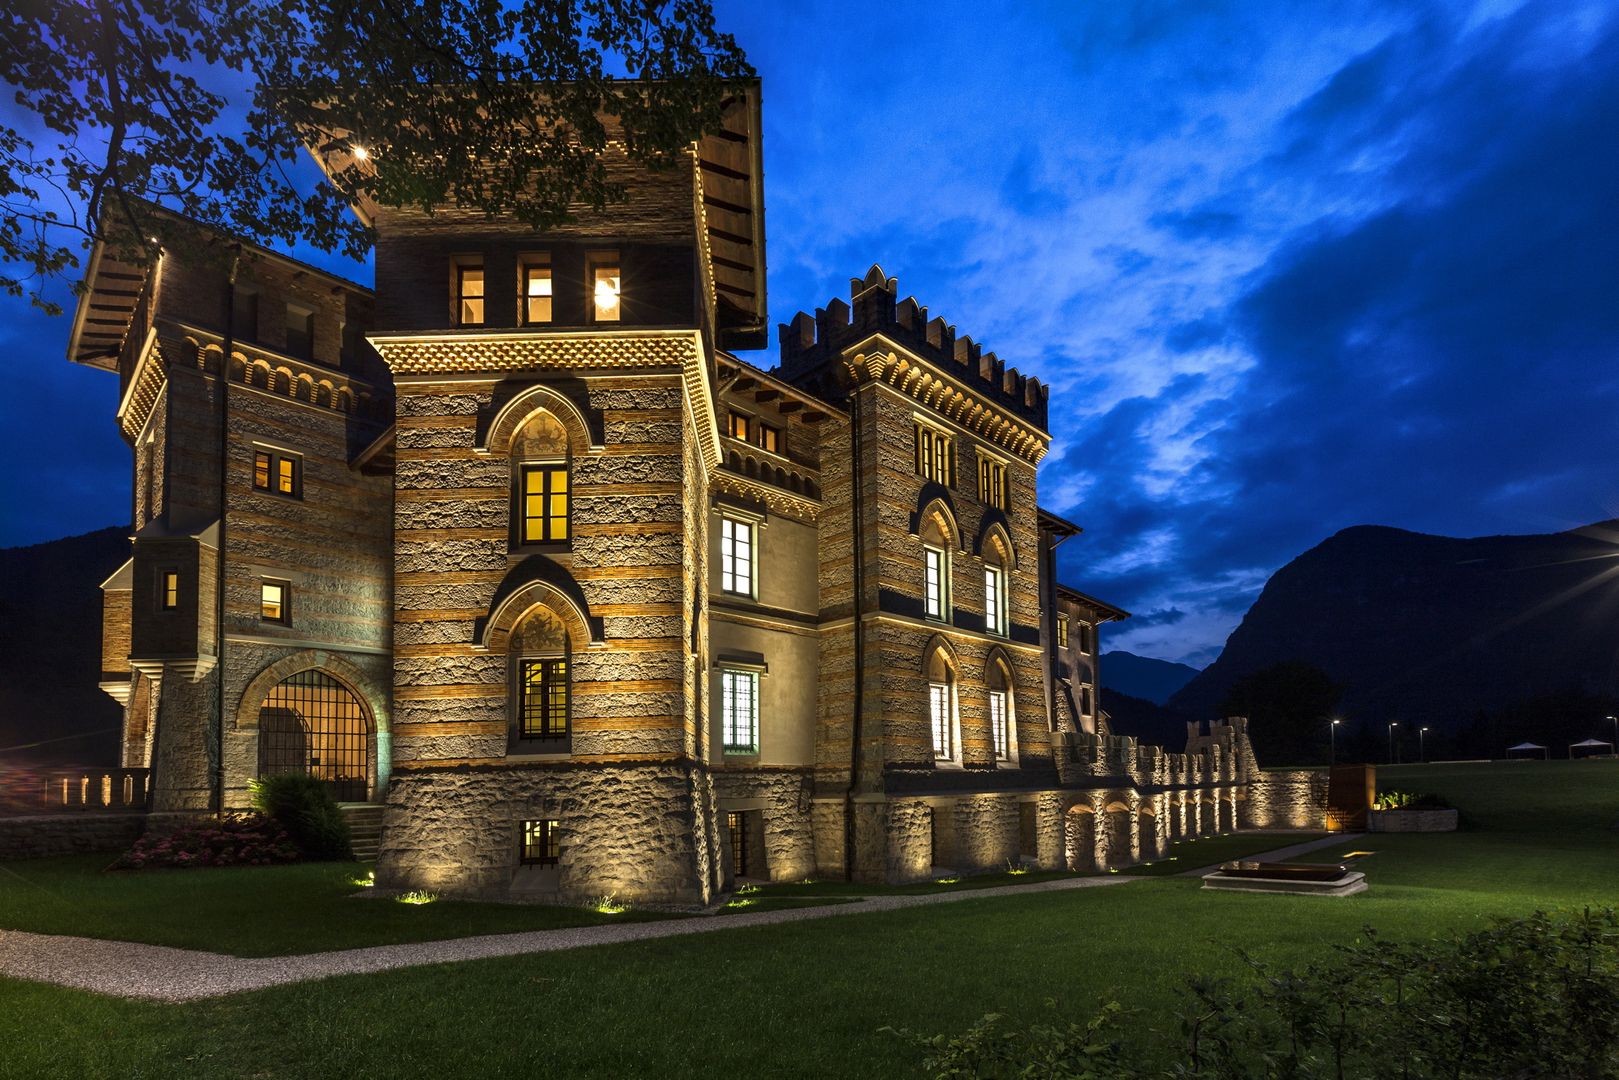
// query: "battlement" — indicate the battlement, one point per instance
point(809, 344)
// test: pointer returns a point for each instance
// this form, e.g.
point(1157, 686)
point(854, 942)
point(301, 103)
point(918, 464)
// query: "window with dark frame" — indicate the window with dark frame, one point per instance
point(275, 601)
point(935, 583)
point(543, 704)
point(536, 292)
point(998, 726)
point(769, 438)
point(736, 824)
point(935, 455)
point(939, 715)
point(169, 593)
point(1062, 632)
point(995, 599)
point(300, 332)
point(244, 314)
point(992, 483)
point(737, 562)
point(606, 291)
point(278, 473)
point(542, 842)
point(738, 425)
point(739, 710)
point(469, 297)
point(1086, 707)
point(544, 504)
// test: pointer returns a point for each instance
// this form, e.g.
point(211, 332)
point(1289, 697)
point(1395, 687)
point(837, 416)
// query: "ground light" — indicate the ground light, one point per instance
point(608, 905)
point(416, 897)
point(367, 882)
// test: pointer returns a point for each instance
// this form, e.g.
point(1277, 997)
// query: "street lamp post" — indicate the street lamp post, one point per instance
point(1333, 730)
point(1392, 725)
point(1614, 720)
point(1422, 743)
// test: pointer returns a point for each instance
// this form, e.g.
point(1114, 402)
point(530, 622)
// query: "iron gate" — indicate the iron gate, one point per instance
point(311, 723)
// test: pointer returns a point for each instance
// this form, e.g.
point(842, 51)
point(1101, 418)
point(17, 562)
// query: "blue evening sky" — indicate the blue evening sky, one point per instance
point(1287, 267)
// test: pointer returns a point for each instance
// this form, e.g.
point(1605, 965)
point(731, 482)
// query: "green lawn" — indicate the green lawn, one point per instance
point(807, 999)
point(249, 911)
point(1196, 854)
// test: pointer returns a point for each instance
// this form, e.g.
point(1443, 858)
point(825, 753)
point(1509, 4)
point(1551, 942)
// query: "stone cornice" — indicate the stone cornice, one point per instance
point(144, 387)
point(785, 503)
point(877, 359)
point(458, 352)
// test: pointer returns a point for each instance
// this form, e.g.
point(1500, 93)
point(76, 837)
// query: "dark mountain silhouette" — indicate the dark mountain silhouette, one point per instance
point(1144, 676)
point(1147, 721)
point(51, 709)
point(1431, 630)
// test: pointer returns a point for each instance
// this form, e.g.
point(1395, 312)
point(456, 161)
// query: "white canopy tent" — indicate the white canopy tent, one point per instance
point(1524, 749)
point(1588, 747)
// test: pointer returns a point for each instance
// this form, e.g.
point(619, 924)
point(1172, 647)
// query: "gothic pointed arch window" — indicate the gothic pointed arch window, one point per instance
point(997, 598)
point(542, 684)
point(542, 493)
point(1002, 708)
point(938, 534)
point(943, 724)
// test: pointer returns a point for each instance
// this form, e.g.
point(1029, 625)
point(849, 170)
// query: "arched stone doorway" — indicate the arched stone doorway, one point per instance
point(312, 724)
point(1080, 839)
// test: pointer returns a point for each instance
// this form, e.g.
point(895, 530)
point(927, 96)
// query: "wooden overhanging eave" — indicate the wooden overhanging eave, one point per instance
point(743, 379)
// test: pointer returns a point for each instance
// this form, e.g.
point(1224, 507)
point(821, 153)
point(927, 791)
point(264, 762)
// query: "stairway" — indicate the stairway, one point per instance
point(365, 828)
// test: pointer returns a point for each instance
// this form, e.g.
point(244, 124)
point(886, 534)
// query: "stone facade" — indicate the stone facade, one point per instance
point(593, 606)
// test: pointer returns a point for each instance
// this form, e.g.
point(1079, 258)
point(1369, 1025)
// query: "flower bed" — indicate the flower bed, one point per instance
point(230, 840)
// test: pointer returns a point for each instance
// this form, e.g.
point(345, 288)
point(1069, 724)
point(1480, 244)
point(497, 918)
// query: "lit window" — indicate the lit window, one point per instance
point(300, 332)
point(543, 710)
point(737, 426)
point(739, 710)
point(935, 455)
point(281, 474)
point(469, 294)
point(769, 438)
point(995, 599)
point(997, 724)
point(992, 483)
point(541, 842)
point(736, 557)
point(1062, 632)
point(274, 603)
point(605, 288)
point(171, 590)
point(936, 583)
point(736, 822)
point(536, 294)
point(545, 504)
point(939, 715)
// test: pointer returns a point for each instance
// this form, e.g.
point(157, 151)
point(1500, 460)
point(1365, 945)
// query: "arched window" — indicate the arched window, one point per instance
point(938, 532)
point(997, 600)
point(941, 676)
point(541, 488)
point(1002, 708)
point(310, 723)
point(541, 683)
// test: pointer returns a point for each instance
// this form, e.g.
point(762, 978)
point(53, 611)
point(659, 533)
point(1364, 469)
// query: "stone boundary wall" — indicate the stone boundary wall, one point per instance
point(1296, 799)
point(43, 835)
point(1411, 820)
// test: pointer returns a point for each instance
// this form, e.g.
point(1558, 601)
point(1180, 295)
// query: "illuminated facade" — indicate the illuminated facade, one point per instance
point(591, 605)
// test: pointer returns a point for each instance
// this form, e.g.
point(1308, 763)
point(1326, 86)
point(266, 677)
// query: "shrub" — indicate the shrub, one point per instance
point(231, 840)
point(304, 806)
point(1407, 800)
point(1530, 997)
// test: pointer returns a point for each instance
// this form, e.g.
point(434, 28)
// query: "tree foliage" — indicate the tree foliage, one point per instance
point(206, 106)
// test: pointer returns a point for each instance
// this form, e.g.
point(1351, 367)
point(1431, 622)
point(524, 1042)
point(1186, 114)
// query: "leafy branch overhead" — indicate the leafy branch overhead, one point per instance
point(206, 106)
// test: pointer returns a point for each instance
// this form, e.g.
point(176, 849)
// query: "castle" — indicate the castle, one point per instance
point(517, 549)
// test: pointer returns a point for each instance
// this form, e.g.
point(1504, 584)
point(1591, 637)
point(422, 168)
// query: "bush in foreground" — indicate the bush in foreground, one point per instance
point(304, 806)
point(231, 840)
point(1531, 997)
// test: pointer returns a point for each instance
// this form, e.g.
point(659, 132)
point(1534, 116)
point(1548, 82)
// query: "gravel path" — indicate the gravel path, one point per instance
point(159, 973)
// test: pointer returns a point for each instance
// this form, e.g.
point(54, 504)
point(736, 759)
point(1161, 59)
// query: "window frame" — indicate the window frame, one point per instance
point(941, 696)
point(460, 267)
point(731, 723)
point(935, 453)
point(168, 588)
point(596, 265)
point(274, 461)
point(527, 266)
point(735, 420)
point(942, 593)
point(284, 604)
point(727, 559)
point(1000, 726)
point(769, 433)
point(993, 488)
point(304, 314)
point(546, 692)
point(1062, 631)
point(996, 618)
point(244, 309)
point(548, 843)
point(520, 503)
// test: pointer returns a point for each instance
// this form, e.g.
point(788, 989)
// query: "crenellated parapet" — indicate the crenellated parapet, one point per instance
point(811, 345)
